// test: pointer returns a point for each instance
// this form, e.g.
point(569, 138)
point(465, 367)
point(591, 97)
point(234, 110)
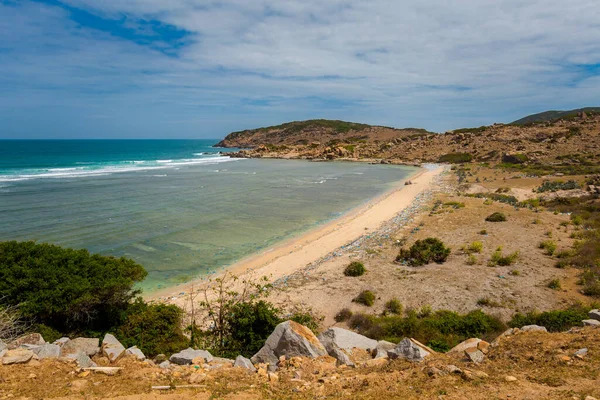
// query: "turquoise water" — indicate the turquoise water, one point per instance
point(176, 207)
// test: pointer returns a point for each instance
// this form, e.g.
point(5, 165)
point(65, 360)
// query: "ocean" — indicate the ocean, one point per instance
point(180, 208)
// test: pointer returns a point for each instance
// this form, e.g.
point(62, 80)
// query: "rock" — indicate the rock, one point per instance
point(483, 346)
point(433, 371)
point(509, 378)
point(475, 355)
point(453, 369)
point(467, 344)
point(197, 378)
point(243, 362)
point(581, 353)
point(34, 339)
point(339, 354)
point(134, 351)
point(48, 351)
point(89, 346)
point(591, 322)
point(222, 361)
point(346, 340)
point(376, 362)
point(289, 339)
point(82, 359)
point(381, 351)
point(110, 371)
point(594, 314)
point(411, 350)
point(160, 358)
point(17, 356)
point(112, 348)
point(164, 365)
point(62, 341)
point(590, 398)
point(533, 328)
point(273, 377)
point(186, 356)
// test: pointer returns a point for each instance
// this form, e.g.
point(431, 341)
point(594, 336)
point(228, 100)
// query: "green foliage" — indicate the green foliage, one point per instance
point(444, 327)
point(496, 217)
point(355, 268)
point(553, 186)
point(50, 335)
point(456, 158)
point(471, 259)
point(503, 260)
point(517, 158)
point(343, 315)
point(554, 321)
point(501, 198)
point(153, 328)
point(307, 319)
point(393, 306)
point(554, 284)
point(475, 247)
point(423, 252)
point(487, 302)
point(454, 204)
point(366, 297)
point(548, 246)
point(67, 290)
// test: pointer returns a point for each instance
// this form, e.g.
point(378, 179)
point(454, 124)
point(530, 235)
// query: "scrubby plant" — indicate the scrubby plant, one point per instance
point(554, 321)
point(496, 217)
point(503, 260)
point(343, 315)
point(471, 259)
point(366, 298)
point(454, 204)
point(515, 272)
point(487, 302)
point(550, 186)
point(425, 311)
point(548, 246)
point(554, 284)
point(355, 268)
point(394, 306)
point(423, 252)
point(483, 232)
point(475, 247)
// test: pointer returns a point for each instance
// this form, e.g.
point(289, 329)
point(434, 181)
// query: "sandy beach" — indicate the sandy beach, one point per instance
point(294, 254)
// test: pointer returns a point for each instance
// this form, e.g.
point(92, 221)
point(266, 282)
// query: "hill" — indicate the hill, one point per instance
point(316, 130)
point(548, 116)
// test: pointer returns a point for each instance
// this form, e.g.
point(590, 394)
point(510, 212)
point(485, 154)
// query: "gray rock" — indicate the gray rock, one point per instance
point(89, 346)
point(581, 352)
point(82, 359)
point(136, 352)
point(411, 350)
point(34, 339)
point(112, 348)
point(340, 355)
point(591, 322)
point(164, 365)
point(346, 340)
point(594, 314)
point(475, 355)
point(381, 351)
point(533, 328)
point(243, 362)
point(467, 344)
point(48, 351)
point(62, 341)
point(186, 356)
point(289, 339)
point(17, 356)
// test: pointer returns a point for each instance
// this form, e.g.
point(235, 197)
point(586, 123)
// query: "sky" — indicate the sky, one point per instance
point(204, 68)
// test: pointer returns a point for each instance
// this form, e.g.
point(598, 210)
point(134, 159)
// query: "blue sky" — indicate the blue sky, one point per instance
point(200, 69)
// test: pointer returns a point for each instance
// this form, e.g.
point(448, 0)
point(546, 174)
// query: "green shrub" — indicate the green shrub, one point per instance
point(355, 268)
point(554, 321)
point(553, 186)
point(393, 306)
point(471, 260)
point(456, 158)
point(307, 319)
point(423, 252)
point(153, 328)
point(496, 217)
point(343, 315)
point(67, 290)
point(483, 232)
point(454, 204)
point(548, 246)
point(366, 297)
point(475, 247)
point(503, 260)
point(554, 284)
point(487, 302)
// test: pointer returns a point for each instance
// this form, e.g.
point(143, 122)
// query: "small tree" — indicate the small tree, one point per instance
point(355, 268)
point(423, 252)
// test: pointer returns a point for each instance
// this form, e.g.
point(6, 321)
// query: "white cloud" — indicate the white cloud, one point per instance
point(437, 64)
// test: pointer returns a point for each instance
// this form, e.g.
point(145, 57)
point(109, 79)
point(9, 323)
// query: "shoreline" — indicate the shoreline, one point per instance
point(297, 252)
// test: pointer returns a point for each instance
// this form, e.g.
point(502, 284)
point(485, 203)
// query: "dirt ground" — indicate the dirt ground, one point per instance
point(453, 285)
point(543, 366)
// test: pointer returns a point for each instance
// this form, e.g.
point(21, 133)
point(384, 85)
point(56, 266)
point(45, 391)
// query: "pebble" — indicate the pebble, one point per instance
point(509, 378)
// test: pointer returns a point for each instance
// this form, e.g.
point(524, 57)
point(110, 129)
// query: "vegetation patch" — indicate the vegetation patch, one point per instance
point(499, 259)
point(554, 321)
point(393, 306)
point(548, 246)
point(355, 268)
point(456, 158)
point(496, 217)
point(423, 252)
point(343, 315)
point(554, 186)
point(366, 298)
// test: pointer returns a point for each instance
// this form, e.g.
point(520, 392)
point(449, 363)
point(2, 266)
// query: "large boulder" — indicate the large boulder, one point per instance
point(88, 346)
point(186, 356)
point(467, 344)
point(48, 350)
point(112, 348)
point(346, 340)
point(411, 350)
point(134, 351)
point(591, 322)
point(243, 362)
point(17, 356)
point(34, 339)
point(289, 339)
point(594, 314)
point(82, 359)
point(381, 351)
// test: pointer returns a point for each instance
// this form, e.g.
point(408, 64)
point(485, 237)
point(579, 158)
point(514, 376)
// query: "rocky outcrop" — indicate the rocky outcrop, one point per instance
point(34, 339)
point(134, 351)
point(48, 350)
point(112, 348)
point(289, 339)
point(88, 346)
point(243, 362)
point(82, 360)
point(381, 351)
point(411, 350)
point(17, 356)
point(346, 340)
point(187, 356)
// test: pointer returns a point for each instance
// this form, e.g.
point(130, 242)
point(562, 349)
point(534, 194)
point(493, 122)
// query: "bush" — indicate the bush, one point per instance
point(366, 297)
point(554, 284)
point(503, 260)
point(343, 315)
point(355, 268)
point(423, 252)
point(67, 290)
point(496, 217)
point(550, 186)
point(474, 247)
point(153, 328)
point(548, 246)
point(394, 306)
point(456, 158)
point(554, 321)
point(471, 260)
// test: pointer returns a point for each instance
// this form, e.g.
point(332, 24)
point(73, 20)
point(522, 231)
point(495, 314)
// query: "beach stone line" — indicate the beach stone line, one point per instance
point(88, 346)
point(243, 362)
point(590, 322)
point(594, 314)
point(533, 328)
point(112, 348)
point(289, 339)
point(17, 356)
point(34, 339)
point(187, 356)
point(411, 350)
point(134, 351)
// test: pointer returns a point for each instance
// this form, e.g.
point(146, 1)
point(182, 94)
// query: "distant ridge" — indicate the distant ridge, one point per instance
point(549, 116)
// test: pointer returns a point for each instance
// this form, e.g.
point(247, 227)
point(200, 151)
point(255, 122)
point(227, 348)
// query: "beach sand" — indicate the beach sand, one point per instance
point(296, 253)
